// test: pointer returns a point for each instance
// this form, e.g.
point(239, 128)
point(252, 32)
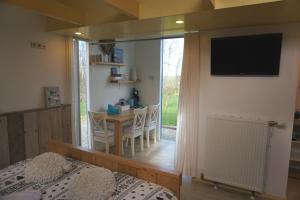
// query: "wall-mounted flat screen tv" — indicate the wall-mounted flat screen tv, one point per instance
point(254, 55)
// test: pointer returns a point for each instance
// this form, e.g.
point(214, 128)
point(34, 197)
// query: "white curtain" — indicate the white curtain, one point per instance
point(72, 80)
point(187, 154)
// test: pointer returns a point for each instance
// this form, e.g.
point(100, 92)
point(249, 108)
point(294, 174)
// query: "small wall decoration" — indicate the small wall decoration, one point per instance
point(98, 58)
point(52, 97)
point(106, 48)
point(118, 55)
point(113, 71)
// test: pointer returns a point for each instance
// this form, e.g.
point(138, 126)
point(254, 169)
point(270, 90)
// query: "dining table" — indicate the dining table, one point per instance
point(119, 120)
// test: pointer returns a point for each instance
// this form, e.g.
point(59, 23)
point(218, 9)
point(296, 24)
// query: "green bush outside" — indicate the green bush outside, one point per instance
point(83, 111)
point(170, 110)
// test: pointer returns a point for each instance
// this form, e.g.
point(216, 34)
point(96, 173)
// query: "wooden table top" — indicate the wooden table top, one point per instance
point(122, 117)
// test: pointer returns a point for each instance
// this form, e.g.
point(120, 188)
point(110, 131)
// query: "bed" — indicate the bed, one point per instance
point(134, 180)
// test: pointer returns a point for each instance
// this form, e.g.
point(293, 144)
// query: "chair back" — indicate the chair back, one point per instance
point(153, 113)
point(139, 120)
point(98, 123)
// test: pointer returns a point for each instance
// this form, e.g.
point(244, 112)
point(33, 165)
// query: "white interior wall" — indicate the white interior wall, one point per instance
point(24, 71)
point(145, 58)
point(148, 61)
point(270, 98)
point(102, 92)
point(148, 65)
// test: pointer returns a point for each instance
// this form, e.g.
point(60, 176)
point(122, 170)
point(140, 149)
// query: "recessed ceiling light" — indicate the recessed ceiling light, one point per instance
point(78, 33)
point(179, 22)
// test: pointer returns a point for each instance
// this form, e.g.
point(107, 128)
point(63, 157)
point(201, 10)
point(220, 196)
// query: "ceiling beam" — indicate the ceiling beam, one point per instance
point(161, 8)
point(54, 24)
point(281, 12)
point(128, 7)
point(52, 9)
point(220, 4)
point(213, 2)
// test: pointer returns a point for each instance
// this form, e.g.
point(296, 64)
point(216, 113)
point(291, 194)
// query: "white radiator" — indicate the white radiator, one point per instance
point(236, 151)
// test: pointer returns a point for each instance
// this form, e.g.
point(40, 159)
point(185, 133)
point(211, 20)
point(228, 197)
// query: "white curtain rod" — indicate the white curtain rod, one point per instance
point(135, 40)
point(144, 39)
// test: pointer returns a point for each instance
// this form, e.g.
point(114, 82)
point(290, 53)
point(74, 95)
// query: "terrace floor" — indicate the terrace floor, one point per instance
point(168, 133)
point(161, 154)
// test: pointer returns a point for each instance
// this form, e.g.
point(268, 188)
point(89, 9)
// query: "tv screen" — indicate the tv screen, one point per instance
point(254, 55)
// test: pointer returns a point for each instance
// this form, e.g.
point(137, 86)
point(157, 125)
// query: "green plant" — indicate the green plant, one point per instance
point(170, 109)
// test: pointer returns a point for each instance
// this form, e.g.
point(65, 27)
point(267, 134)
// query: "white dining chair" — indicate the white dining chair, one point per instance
point(151, 124)
point(100, 132)
point(137, 129)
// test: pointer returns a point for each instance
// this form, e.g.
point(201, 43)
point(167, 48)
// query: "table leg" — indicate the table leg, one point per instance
point(118, 138)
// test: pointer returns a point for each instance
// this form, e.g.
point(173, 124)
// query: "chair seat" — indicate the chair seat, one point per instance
point(150, 126)
point(128, 123)
point(110, 133)
point(127, 129)
point(147, 123)
point(127, 132)
point(102, 138)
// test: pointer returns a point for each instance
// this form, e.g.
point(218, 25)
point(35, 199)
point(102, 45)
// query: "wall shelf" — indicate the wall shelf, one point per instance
point(296, 141)
point(294, 173)
point(295, 157)
point(126, 81)
point(295, 153)
point(109, 64)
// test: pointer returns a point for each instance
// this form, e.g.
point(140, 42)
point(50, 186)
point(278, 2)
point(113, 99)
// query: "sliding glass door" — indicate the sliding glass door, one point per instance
point(83, 88)
point(172, 54)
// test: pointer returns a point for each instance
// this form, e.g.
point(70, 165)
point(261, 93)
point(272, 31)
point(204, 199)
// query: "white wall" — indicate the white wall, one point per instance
point(102, 92)
point(270, 98)
point(147, 61)
point(145, 58)
point(24, 71)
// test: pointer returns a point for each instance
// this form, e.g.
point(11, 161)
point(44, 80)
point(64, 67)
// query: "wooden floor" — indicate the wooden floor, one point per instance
point(293, 189)
point(163, 153)
point(194, 189)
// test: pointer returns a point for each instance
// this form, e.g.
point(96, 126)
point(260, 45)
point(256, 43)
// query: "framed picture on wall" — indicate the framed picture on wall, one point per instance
point(52, 97)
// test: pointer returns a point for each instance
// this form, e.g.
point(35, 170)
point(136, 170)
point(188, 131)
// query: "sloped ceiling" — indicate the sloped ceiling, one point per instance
point(108, 19)
point(279, 12)
point(82, 12)
point(162, 8)
point(220, 4)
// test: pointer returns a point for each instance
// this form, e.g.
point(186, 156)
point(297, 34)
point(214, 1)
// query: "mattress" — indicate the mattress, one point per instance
point(128, 187)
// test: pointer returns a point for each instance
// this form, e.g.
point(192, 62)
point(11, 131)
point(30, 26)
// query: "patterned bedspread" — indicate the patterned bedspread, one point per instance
point(128, 187)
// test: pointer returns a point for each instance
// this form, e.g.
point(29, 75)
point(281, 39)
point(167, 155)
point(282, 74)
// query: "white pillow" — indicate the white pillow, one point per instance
point(93, 184)
point(45, 168)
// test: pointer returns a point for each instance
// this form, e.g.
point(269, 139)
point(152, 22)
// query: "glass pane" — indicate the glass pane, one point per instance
point(83, 92)
point(172, 63)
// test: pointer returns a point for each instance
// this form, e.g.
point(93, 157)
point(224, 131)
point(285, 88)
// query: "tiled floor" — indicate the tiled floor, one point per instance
point(293, 189)
point(197, 190)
